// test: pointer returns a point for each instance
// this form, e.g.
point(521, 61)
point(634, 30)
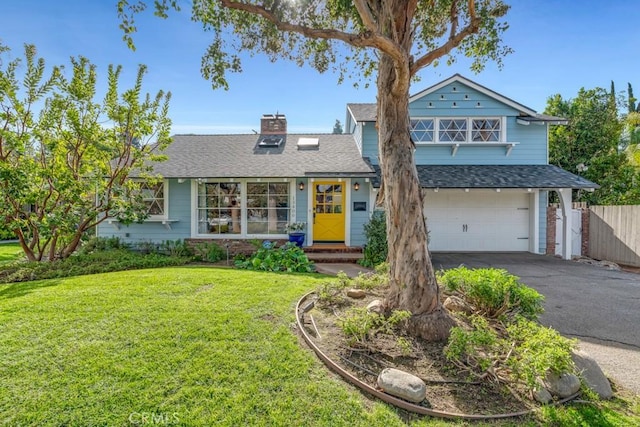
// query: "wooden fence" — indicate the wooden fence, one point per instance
point(614, 234)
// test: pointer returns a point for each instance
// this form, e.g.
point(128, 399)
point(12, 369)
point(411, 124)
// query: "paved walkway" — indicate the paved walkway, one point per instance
point(351, 269)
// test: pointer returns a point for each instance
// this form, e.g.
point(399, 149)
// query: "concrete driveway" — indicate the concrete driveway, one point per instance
point(598, 306)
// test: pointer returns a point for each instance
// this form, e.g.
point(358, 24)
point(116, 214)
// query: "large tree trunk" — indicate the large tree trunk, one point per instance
point(413, 282)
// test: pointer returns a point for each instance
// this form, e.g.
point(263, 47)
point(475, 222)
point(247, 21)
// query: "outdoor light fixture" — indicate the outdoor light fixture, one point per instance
point(356, 186)
point(301, 185)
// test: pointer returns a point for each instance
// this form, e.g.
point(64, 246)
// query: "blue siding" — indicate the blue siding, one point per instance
point(360, 218)
point(542, 237)
point(531, 139)
point(370, 142)
point(179, 211)
point(466, 100)
point(302, 201)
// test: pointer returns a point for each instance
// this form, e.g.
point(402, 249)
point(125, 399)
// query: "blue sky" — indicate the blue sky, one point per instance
point(560, 46)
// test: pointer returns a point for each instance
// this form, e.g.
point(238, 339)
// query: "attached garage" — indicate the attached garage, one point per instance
point(479, 220)
point(493, 208)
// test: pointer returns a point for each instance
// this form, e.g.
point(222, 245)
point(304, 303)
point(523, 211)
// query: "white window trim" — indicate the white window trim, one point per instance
point(469, 130)
point(434, 130)
point(162, 219)
point(243, 210)
point(165, 203)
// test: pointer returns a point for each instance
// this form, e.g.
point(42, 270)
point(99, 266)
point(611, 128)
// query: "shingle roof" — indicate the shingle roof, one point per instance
point(236, 156)
point(368, 112)
point(363, 112)
point(497, 176)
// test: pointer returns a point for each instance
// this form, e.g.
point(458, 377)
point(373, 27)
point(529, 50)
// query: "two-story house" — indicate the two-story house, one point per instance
point(482, 160)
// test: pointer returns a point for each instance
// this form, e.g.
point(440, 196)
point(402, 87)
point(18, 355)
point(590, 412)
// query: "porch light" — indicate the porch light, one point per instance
point(301, 186)
point(356, 186)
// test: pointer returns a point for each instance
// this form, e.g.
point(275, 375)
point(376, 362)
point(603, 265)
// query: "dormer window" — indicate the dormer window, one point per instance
point(457, 130)
point(450, 130)
point(422, 130)
point(485, 130)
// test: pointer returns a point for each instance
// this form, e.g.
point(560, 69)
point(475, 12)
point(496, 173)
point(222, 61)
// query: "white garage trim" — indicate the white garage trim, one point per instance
point(484, 220)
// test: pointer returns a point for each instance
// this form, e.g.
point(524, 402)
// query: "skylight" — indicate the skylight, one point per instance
point(270, 141)
point(308, 142)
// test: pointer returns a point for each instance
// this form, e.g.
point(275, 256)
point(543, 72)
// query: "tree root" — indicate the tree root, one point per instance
point(431, 327)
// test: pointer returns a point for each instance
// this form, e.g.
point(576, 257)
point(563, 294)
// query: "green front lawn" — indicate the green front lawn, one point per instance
point(177, 346)
point(198, 346)
point(10, 252)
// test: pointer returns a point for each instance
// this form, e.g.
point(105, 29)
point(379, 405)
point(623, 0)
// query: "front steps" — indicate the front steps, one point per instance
point(333, 253)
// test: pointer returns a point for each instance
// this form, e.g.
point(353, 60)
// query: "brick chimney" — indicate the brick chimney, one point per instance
point(273, 124)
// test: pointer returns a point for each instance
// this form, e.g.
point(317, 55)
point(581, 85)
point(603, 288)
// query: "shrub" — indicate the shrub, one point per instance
point(209, 252)
point(476, 347)
point(522, 353)
point(371, 281)
point(359, 325)
point(375, 249)
point(538, 349)
point(6, 234)
point(176, 248)
point(95, 244)
point(288, 257)
point(147, 247)
point(87, 263)
point(330, 293)
point(493, 292)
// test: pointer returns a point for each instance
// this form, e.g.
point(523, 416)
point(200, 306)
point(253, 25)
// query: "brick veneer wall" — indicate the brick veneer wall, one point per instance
point(551, 230)
point(585, 231)
point(236, 246)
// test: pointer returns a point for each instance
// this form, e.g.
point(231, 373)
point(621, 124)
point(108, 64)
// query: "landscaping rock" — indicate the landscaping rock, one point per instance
point(457, 304)
point(542, 395)
point(563, 385)
point(375, 306)
point(592, 375)
point(402, 384)
point(356, 293)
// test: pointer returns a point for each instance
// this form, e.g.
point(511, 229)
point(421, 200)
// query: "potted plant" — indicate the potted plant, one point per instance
point(296, 232)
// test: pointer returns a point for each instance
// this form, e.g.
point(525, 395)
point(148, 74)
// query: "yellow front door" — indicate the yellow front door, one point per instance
point(328, 208)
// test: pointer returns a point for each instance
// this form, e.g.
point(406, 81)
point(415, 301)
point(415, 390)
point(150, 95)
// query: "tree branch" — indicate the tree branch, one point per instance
point(364, 11)
point(452, 42)
point(369, 39)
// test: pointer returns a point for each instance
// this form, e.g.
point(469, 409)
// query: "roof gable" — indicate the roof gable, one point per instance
point(456, 80)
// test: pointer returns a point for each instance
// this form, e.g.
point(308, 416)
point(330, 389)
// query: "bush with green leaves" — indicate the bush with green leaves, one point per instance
point(372, 280)
point(331, 292)
point(99, 244)
point(6, 234)
point(176, 248)
point(209, 252)
point(474, 348)
point(538, 349)
point(87, 263)
point(288, 257)
point(376, 248)
point(521, 353)
point(492, 292)
point(360, 325)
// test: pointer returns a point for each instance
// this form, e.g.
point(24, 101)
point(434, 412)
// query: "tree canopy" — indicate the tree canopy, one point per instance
point(590, 146)
point(391, 39)
point(65, 158)
point(346, 36)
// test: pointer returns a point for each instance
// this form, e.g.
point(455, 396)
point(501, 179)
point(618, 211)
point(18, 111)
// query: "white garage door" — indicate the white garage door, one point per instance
point(478, 220)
